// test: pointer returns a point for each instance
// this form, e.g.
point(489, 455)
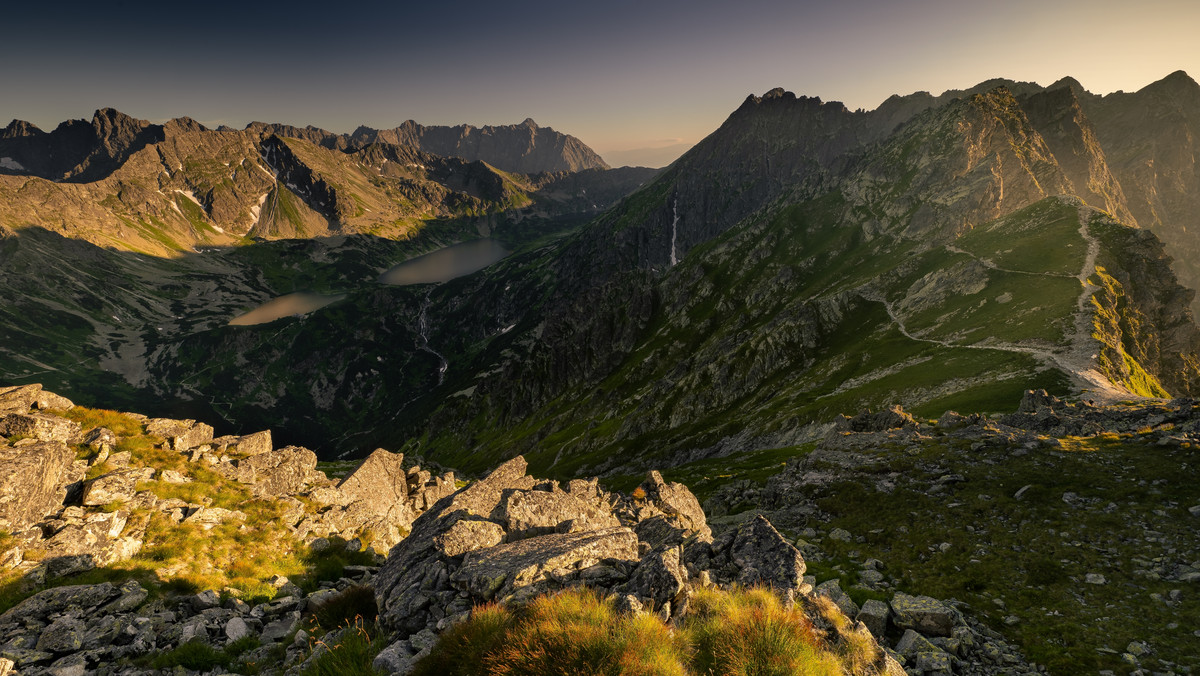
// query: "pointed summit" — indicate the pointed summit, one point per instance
point(19, 128)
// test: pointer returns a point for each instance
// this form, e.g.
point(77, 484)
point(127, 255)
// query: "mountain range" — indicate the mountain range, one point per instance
point(802, 261)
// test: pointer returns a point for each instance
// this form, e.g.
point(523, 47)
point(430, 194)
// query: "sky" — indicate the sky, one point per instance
point(621, 75)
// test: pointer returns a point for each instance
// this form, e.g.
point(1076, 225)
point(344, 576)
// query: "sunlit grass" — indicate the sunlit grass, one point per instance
point(578, 632)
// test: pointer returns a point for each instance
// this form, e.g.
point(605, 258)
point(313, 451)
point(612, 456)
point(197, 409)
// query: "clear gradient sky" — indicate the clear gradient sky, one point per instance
point(619, 74)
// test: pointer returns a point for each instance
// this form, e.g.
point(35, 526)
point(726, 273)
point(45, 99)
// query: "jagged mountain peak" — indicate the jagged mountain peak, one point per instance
point(528, 122)
point(1176, 85)
point(18, 128)
point(180, 125)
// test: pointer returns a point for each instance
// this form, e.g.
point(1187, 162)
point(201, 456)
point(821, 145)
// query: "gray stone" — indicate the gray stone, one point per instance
point(236, 628)
point(394, 659)
point(467, 536)
point(277, 630)
point(922, 613)
point(676, 501)
point(840, 535)
point(530, 513)
point(70, 665)
point(280, 472)
point(64, 635)
point(194, 436)
point(100, 437)
point(912, 643)
point(255, 444)
point(205, 600)
point(19, 398)
point(501, 570)
point(39, 426)
point(58, 600)
point(832, 590)
point(1095, 578)
point(380, 482)
point(29, 481)
point(764, 557)
point(874, 614)
point(114, 486)
point(659, 576)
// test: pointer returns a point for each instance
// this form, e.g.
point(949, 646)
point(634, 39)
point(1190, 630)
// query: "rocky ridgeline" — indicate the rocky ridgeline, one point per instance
point(76, 524)
point(505, 538)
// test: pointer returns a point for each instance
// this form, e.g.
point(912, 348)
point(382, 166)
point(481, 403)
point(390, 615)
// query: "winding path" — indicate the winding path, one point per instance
point(1077, 359)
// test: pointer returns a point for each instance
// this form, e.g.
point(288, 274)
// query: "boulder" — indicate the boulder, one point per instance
point(874, 614)
point(498, 572)
point(98, 438)
point(29, 482)
point(404, 585)
point(64, 635)
point(197, 435)
point(168, 427)
point(115, 486)
point(58, 601)
point(923, 614)
point(532, 513)
point(280, 472)
point(255, 444)
point(467, 536)
point(46, 401)
point(659, 577)
point(765, 557)
point(18, 398)
point(381, 484)
point(39, 426)
point(677, 503)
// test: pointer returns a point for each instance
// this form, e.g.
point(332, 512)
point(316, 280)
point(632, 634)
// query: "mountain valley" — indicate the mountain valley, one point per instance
point(942, 350)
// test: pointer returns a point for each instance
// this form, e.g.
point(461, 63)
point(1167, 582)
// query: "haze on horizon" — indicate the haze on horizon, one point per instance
point(620, 75)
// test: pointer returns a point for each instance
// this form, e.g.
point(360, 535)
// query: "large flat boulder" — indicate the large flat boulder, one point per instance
point(407, 581)
point(531, 513)
point(30, 477)
point(923, 614)
point(255, 444)
point(39, 426)
point(192, 437)
point(18, 398)
point(115, 486)
point(280, 472)
point(497, 572)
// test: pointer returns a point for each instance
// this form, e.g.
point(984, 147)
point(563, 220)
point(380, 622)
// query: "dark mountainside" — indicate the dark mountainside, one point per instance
point(921, 375)
point(803, 261)
point(121, 237)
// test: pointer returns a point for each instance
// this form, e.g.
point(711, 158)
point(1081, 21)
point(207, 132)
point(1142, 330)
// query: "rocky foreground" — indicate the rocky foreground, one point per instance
point(76, 505)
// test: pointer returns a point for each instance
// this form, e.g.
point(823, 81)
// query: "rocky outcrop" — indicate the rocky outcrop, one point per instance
point(492, 541)
point(30, 477)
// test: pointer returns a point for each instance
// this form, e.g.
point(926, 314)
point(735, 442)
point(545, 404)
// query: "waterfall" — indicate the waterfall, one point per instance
point(422, 342)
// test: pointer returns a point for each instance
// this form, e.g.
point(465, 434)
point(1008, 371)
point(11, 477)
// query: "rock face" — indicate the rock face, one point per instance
point(29, 482)
point(277, 473)
point(381, 483)
point(489, 542)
